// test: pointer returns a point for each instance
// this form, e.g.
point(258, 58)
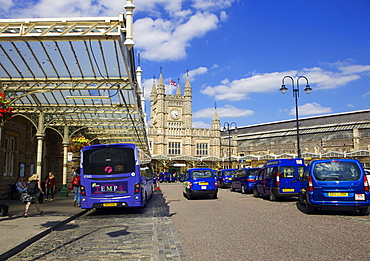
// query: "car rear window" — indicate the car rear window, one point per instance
point(202, 174)
point(229, 173)
point(286, 172)
point(337, 171)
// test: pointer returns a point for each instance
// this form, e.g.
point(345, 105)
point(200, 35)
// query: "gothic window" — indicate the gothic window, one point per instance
point(174, 148)
point(202, 149)
point(9, 155)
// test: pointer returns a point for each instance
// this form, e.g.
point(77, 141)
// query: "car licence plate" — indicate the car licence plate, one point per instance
point(288, 190)
point(337, 194)
point(109, 204)
point(203, 187)
point(203, 183)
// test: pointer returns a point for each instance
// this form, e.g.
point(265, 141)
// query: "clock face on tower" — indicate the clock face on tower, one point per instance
point(175, 114)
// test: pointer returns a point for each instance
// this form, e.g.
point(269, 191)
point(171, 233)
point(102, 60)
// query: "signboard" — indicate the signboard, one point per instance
point(69, 156)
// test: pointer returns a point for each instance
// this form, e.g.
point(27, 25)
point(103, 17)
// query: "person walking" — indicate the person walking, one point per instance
point(34, 191)
point(76, 187)
point(50, 186)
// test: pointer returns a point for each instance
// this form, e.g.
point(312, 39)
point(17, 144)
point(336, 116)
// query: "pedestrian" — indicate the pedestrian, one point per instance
point(21, 185)
point(50, 186)
point(76, 187)
point(34, 191)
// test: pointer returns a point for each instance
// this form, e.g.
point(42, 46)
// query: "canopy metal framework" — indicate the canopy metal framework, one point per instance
point(77, 72)
point(74, 75)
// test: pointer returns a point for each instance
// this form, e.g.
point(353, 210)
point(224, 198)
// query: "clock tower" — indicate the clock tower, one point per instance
point(173, 140)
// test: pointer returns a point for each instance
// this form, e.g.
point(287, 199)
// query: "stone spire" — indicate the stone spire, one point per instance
point(153, 93)
point(188, 90)
point(178, 91)
point(216, 125)
point(161, 87)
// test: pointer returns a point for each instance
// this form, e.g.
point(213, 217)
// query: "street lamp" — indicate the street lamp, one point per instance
point(308, 90)
point(227, 127)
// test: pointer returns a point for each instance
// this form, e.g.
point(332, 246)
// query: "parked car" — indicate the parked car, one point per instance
point(224, 177)
point(335, 184)
point(167, 177)
point(278, 178)
point(199, 182)
point(243, 179)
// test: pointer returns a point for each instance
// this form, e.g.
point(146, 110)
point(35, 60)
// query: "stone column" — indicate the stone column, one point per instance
point(64, 190)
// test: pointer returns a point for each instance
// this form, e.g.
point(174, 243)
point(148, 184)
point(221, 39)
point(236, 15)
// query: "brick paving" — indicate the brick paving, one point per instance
point(129, 234)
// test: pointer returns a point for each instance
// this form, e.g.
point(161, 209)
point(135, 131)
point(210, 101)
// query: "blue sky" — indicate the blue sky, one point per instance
point(237, 52)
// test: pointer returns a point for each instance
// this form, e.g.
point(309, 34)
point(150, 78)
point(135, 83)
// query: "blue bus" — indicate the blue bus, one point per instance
point(115, 175)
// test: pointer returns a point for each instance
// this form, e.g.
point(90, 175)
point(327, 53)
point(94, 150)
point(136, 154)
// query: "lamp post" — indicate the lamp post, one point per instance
point(227, 127)
point(308, 90)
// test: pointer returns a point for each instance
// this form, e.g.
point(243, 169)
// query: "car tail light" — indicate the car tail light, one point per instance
point(190, 184)
point(278, 178)
point(366, 184)
point(310, 183)
point(137, 188)
point(216, 183)
point(83, 191)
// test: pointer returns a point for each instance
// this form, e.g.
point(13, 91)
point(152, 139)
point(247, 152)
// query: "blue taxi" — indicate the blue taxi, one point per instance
point(199, 182)
point(278, 178)
point(243, 179)
point(335, 184)
point(224, 177)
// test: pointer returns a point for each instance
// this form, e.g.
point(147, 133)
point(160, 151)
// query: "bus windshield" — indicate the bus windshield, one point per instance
point(105, 161)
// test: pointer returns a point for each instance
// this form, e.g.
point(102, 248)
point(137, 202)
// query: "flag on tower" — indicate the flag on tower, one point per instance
point(173, 83)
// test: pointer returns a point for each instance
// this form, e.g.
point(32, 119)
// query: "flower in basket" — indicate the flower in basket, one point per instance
point(6, 112)
point(77, 143)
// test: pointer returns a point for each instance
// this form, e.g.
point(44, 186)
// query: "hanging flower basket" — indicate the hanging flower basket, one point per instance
point(77, 143)
point(6, 112)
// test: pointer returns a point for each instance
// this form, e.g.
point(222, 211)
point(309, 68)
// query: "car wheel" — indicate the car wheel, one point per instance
point(364, 211)
point(231, 188)
point(189, 196)
point(310, 209)
point(272, 196)
point(255, 193)
point(301, 199)
point(244, 191)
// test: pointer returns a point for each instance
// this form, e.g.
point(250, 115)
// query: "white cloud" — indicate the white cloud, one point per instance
point(311, 109)
point(201, 125)
point(67, 8)
point(212, 4)
point(153, 6)
point(240, 89)
point(162, 40)
point(328, 79)
point(365, 94)
point(5, 5)
point(195, 72)
point(223, 16)
point(225, 111)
